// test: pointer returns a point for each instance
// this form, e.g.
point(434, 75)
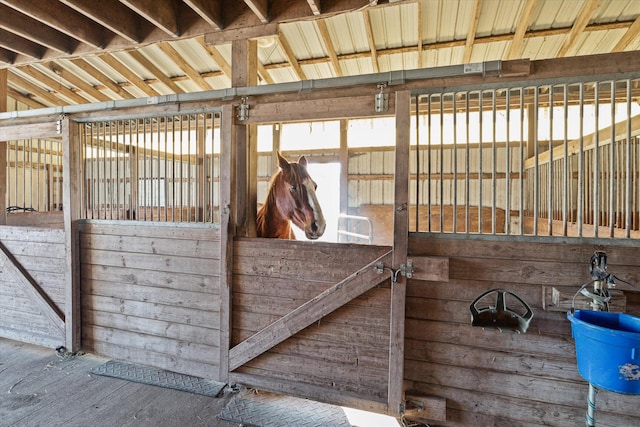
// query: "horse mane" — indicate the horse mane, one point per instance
point(282, 230)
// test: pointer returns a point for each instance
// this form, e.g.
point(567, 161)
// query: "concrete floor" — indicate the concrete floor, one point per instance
point(40, 388)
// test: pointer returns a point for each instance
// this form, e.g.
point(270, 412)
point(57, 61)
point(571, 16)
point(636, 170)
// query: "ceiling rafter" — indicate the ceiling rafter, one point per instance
point(63, 19)
point(523, 24)
point(329, 47)
point(217, 57)
point(420, 34)
point(175, 56)
point(25, 99)
point(17, 44)
point(76, 81)
point(291, 57)
point(113, 15)
point(31, 29)
point(209, 10)
point(315, 6)
point(162, 13)
point(581, 22)
point(153, 69)
point(372, 43)
point(630, 35)
point(471, 34)
point(128, 75)
point(36, 91)
point(104, 80)
point(56, 87)
point(260, 8)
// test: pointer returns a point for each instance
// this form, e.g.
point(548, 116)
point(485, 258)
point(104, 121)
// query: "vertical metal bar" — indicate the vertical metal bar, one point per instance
point(480, 168)
point(150, 178)
point(181, 167)
point(165, 151)
point(494, 161)
point(507, 177)
point(565, 192)
point(596, 162)
point(613, 170)
point(111, 180)
point(550, 192)
point(467, 164)
point(429, 145)
point(454, 111)
point(627, 189)
point(591, 406)
point(441, 162)
point(417, 219)
point(522, 171)
point(536, 167)
point(581, 166)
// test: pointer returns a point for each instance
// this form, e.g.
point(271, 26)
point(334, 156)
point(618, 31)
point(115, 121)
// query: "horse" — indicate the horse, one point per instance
point(291, 197)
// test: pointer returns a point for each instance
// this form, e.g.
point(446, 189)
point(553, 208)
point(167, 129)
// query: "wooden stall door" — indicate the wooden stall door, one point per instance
point(313, 319)
point(32, 287)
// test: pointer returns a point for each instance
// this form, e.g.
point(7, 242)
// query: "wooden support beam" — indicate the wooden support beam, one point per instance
point(260, 8)
point(71, 185)
point(329, 47)
point(630, 35)
point(162, 13)
point(227, 231)
point(523, 24)
point(588, 9)
point(151, 67)
point(372, 42)
point(55, 86)
point(36, 90)
point(308, 313)
point(315, 6)
point(128, 75)
point(76, 81)
point(400, 249)
point(4, 95)
point(96, 74)
point(291, 57)
point(209, 10)
point(217, 57)
point(20, 45)
point(471, 34)
point(113, 15)
point(175, 56)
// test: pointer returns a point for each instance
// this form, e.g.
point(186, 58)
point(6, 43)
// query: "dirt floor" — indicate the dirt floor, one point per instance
point(38, 387)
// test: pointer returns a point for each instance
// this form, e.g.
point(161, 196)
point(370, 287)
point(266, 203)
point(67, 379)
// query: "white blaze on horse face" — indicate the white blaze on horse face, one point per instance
point(317, 226)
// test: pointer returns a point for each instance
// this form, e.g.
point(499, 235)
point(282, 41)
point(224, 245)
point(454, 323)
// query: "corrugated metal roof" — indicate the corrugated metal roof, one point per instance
point(394, 28)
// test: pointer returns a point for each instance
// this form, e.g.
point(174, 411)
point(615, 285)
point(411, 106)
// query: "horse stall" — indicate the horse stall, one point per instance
point(129, 231)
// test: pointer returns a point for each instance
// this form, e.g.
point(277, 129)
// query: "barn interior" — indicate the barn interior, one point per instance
point(473, 158)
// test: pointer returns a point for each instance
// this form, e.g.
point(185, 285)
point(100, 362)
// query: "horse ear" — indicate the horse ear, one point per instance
point(302, 161)
point(282, 162)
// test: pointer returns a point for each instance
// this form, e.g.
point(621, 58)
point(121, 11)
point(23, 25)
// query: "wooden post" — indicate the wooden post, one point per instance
point(344, 167)
point(244, 59)
point(400, 248)
point(227, 231)
point(4, 89)
point(71, 204)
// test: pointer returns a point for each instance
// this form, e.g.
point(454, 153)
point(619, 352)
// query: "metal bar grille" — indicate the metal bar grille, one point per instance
point(162, 168)
point(556, 159)
point(34, 175)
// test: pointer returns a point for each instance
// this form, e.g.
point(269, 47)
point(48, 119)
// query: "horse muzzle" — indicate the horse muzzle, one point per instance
point(315, 230)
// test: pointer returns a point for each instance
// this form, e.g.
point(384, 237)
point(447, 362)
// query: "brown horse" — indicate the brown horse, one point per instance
point(291, 197)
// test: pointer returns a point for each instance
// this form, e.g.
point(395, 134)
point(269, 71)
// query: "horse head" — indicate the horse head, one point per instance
point(292, 193)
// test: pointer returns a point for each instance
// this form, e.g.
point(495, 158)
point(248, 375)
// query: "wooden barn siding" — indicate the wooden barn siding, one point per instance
point(490, 378)
point(41, 252)
point(150, 294)
point(346, 353)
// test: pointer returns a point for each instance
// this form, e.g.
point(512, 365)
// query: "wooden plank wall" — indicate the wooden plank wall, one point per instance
point(501, 379)
point(343, 357)
point(150, 294)
point(41, 252)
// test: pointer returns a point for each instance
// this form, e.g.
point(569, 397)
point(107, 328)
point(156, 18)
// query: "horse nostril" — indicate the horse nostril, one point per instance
point(314, 226)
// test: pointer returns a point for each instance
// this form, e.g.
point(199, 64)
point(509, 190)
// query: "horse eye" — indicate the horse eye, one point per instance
point(294, 188)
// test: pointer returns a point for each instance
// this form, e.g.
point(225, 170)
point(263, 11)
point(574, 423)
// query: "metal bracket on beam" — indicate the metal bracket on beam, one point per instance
point(404, 269)
point(243, 110)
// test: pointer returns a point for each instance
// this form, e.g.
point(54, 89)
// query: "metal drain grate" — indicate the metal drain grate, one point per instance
point(159, 377)
point(272, 410)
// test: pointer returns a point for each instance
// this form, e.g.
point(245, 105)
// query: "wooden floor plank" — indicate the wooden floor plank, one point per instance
point(37, 387)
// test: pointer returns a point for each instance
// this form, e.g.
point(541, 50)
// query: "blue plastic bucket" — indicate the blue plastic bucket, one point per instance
point(608, 349)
